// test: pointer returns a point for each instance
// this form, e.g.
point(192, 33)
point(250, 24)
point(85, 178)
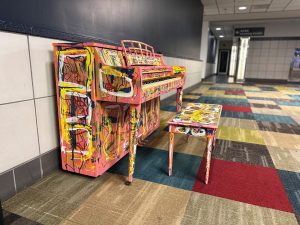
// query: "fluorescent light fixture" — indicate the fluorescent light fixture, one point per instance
point(221, 36)
point(218, 28)
point(242, 8)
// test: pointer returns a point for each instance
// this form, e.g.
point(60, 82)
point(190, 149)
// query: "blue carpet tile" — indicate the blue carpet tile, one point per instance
point(169, 108)
point(288, 103)
point(274, 118)
point(223, 101)
point(291, 183)
point(266, 88)
point(239, 115)
point(296, 97)
point(152, 165)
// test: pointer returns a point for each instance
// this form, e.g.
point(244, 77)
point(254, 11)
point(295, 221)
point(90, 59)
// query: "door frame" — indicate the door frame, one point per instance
point(228, 60)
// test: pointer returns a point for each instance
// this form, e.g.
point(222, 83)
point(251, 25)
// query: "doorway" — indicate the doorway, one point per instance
point(223, 65)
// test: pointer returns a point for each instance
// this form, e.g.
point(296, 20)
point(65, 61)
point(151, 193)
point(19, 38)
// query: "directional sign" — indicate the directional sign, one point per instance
point(249, 32)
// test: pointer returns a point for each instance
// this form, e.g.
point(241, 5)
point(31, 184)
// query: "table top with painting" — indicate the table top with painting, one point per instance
point(198, 115)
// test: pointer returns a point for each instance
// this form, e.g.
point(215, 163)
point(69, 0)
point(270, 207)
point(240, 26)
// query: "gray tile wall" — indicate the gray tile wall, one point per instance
point(270, 59)
point(28, 110)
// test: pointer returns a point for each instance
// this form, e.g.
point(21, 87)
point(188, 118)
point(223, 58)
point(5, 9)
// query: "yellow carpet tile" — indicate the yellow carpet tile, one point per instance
point(251, 88)
point(239, 123)
point(239, 134)
point(286, 90)
point(191, 96)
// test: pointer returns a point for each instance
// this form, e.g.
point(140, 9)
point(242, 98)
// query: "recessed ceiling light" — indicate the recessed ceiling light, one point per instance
point(218, 28)
point(242, 7)
point(221, 36)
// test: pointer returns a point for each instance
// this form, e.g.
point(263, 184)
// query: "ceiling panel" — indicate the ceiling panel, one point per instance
point(219, 7)
point(293, 5)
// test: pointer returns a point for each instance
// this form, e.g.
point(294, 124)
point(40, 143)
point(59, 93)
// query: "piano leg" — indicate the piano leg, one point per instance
point(134, 123)
point(179, 99)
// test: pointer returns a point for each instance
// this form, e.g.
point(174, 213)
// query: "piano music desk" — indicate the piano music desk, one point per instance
point(196, 120)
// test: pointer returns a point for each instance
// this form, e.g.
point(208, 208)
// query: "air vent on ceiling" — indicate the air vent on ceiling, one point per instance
point(264, 6)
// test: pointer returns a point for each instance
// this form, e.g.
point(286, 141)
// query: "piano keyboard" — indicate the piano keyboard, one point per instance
point(155, 83)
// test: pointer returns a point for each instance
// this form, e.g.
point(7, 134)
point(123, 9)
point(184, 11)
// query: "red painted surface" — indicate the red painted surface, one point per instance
point(251, 184)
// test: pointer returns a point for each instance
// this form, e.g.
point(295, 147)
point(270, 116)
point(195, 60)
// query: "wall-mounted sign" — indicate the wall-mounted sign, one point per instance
point(249, 32)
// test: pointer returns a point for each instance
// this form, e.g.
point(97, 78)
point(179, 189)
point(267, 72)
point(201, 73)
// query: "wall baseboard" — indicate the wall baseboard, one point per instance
point(26, 174)
point(210, 75)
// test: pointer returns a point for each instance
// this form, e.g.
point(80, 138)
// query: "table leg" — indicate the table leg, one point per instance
point(210, 140)
point(134, 123)
point(179, 99)
point(171, 149)
point(214, 141)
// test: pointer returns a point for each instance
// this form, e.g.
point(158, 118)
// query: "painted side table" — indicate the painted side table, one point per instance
point(196, 120)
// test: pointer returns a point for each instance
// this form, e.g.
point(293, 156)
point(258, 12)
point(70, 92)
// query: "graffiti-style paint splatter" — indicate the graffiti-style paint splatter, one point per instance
point(108, 101)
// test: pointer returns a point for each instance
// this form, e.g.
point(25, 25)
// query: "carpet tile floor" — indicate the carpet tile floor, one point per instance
point(255, 170)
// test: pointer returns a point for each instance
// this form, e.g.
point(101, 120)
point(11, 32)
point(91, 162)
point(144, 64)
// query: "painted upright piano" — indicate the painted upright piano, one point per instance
point(108, 101)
